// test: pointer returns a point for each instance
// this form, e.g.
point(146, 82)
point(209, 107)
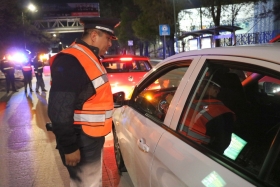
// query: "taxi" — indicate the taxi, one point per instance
point(124, 71)
point(203, 118)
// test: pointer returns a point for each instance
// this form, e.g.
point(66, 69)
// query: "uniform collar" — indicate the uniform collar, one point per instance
point(95, 50)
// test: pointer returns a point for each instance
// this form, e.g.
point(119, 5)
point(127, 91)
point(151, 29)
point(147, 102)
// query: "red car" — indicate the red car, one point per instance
point(125, 71)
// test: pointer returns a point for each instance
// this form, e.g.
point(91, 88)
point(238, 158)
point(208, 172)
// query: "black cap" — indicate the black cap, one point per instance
point(104, 24)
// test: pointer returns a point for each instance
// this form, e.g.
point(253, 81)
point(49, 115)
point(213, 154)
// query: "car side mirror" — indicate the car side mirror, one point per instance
point(119, 99)
point(271, 88)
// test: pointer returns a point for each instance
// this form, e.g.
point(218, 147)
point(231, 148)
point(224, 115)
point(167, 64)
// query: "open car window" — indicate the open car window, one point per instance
point(236, 114)
point(154, 99)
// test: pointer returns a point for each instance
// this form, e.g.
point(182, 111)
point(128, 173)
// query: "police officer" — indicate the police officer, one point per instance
point(81, 102)
point(209, 121)
point(27, 75)
point(38, 70)
point(8, 68)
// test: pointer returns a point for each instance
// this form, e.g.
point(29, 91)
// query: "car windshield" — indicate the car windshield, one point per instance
point(119, 66)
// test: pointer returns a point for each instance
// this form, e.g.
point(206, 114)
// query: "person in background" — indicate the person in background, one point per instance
point(81, 101)
point(27, 75)
point(38, 70)
point(8, 68)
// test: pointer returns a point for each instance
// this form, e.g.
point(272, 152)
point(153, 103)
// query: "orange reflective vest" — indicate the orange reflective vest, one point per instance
point(96, 113)
point(200, 113)
point(27, 67)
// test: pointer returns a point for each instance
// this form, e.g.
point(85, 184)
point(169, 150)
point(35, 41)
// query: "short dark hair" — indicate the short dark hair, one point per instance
point(88, 31)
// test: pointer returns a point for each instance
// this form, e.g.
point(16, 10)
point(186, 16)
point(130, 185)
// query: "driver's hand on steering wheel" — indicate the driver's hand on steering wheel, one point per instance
point(168, 99)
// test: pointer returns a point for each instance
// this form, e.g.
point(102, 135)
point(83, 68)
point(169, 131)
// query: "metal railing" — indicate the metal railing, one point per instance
point(251, 38)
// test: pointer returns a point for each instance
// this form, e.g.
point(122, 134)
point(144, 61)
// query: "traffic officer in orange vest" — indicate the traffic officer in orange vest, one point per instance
point(27, 75)
point(209, 121)
point(81, 102)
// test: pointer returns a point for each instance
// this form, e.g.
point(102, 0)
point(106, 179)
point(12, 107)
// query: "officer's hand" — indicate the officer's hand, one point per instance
point(73, 159)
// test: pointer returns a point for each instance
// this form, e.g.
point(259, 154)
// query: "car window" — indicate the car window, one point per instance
point(154, 99)
point(119, 66)
point(236, 115)
point(269, 85)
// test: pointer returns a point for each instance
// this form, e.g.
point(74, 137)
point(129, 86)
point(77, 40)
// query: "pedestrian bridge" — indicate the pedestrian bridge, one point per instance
point(59, 25)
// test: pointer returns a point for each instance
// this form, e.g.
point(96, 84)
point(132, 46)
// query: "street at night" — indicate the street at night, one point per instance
point(28, 157)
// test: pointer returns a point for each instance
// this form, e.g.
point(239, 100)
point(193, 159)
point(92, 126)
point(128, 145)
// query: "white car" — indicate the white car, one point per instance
point(162, 140)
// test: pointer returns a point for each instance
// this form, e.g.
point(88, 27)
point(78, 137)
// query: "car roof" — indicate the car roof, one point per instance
point(269, 52)
point(128, 56)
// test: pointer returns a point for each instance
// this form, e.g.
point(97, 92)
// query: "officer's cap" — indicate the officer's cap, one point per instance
point(104, 24)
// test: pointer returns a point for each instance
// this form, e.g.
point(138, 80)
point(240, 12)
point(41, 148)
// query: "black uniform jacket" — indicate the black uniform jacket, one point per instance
point(38, 66)
point(7, 67)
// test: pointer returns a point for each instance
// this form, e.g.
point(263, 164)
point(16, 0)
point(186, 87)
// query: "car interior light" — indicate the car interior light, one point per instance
point(149, 97)
point(126, 59)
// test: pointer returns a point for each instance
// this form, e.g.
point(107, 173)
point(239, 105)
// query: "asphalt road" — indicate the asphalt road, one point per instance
point(28, 157)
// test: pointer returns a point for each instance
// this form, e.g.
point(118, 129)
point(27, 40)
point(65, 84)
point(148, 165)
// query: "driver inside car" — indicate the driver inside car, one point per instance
point(208, 120)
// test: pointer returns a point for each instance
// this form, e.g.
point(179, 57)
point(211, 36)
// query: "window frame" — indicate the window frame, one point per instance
point(227, 163)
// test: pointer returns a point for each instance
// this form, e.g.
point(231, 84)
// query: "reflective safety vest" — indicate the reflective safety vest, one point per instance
point(200, 113)
point(27, 67)
point(39, 68)
point(95, 117)
point(7, 67)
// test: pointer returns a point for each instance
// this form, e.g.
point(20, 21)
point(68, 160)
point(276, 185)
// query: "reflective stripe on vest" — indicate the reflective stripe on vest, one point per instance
point(196, 136)
point(27, 68)
point(99, 81)
point(8, 68)
point(199, 115)
point(95, 117)
point(82, 50)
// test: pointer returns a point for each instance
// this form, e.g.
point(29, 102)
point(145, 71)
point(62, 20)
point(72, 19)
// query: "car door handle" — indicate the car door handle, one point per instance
point(142, 145)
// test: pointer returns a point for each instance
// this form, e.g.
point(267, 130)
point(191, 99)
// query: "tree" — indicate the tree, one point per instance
point(16, 29)
point(213, 9)
point(110, 8)
point(276, 10)
point(155, 13)
point(130, 12)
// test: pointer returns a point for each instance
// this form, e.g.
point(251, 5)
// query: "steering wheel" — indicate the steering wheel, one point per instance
point(161, 106)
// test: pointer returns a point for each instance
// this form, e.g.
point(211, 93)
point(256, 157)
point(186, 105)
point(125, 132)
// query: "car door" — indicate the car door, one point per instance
point(249, 160)
point(141, 123)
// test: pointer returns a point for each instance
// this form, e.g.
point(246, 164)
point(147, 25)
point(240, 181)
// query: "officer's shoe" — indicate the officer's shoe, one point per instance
point(37, 91)
point(44, 90)
point(15, 90)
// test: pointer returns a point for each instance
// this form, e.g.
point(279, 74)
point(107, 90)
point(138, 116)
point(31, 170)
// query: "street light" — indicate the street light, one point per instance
point(175, 34)
point(31, 8)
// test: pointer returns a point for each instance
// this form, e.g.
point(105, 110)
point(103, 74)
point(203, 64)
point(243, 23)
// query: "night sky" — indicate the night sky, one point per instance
point(65, 38)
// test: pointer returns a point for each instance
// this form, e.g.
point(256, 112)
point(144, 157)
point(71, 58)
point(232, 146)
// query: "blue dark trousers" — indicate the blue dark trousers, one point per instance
point(88, 172)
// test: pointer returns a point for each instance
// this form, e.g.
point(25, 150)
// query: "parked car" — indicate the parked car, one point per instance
point(153, 130)
point(124, 71)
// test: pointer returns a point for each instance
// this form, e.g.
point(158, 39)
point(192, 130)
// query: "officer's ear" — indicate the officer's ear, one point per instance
point(94, 34)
